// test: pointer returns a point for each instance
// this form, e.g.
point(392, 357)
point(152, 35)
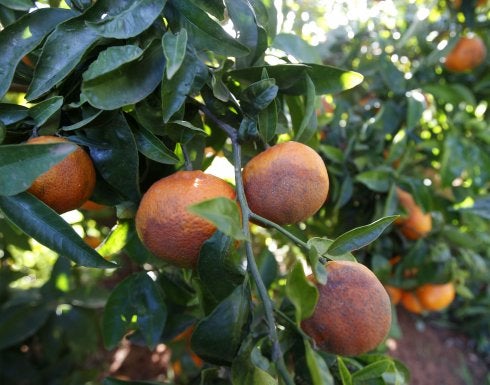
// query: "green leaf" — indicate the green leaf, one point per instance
point(294, 45)
point(377, 180)
point(415, 109)
point(371, 371)
point(27, 33)
point(333, 153)
point(321, 246)
point(360, 236)
point(217, 337)
point(116, 240)
point(136, 303)
point(319, 372)
point(204, 32)
point(114, 79)
point(451, 93)
point(290, 78)
point(345, 375)
point(267, 122)
point(84, 122)
point(12, 113)
point(115, 154)
point(21, 164)
point(18, 5)
point(176, 89)
point(392, 76)
point(259, 95)
point(302, 293)
point(43, 224)
point(307, 128)
point(41, 112)
point(480, 206)
point(216, 270)
point(129, 19)
point(223, 213)
point(3, 134)
point(152, 147)
point(319, 270)
point(19, 322)
point(174, 49)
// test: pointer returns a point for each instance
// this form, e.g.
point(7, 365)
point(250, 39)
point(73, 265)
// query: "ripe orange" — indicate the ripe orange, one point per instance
point(286, 183)
point(93, 242)
point(165, 226)
point(69, 183)
point(353, 314)
point(395, 294)
point(436, 297)
point(411, 302)
point(417, 224)
point(468, 53)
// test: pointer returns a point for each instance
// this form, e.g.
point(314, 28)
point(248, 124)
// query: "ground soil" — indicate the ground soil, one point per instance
point(434, 355)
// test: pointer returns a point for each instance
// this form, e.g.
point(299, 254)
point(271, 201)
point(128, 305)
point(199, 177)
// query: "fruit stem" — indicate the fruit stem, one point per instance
point(277, 355)
point(281, 229)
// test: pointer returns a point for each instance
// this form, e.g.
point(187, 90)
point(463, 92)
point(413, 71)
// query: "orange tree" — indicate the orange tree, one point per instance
point(411, 139)
point(154, 92)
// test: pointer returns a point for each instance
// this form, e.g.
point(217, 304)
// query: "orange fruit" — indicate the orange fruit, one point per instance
point(92, 206)
point(417, 224)
point(353, 313)
point(93, 242)
point(165, 226)
point(286, 183)
point(411, 302)
point(468, 53)
point(69, 183)
point(436, 297)
point(395, 294)
point(479, 3)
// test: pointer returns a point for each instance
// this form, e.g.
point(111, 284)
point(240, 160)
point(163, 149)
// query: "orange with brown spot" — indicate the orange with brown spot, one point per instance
point(286, 183)
point(165, 226)
point(68, 184)
point(353, 314)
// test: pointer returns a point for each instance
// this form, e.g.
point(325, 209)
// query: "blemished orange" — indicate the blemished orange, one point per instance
point(411, 302)
point(164, 224)
point(395, 294)
point(435, 297)
point(68, 184)
point(287, 183)
point(416, 224)
point(353, 313)
point(468, 53)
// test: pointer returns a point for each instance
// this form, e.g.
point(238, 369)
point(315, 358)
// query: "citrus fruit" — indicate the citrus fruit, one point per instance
point(353, 313)
point(395, 294)
point(416, 224)
point(436, 297)
point(165, 226)
point(468, 53)
point(411, 302)
point(69, 183)
point(92, 241)
point(479, 3)
point(92, 206)
point(286, 183)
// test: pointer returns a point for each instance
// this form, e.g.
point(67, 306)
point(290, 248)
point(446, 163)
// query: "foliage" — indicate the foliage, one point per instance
point(150, 87)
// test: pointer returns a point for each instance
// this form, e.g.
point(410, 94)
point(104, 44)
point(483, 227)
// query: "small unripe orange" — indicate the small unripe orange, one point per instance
point(286, 183)
point(353, 313)
point(164, 224)
point(68, 184)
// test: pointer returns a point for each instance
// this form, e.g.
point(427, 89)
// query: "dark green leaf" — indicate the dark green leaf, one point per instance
point(129, 19)
point(136, 303)
point(218, 336)
point(84, 122)
point(391, 203)
point(19, 322)
point(27, 33)
point(346, 191)
point(44, 225)
point(345, 375)
point(18, 5)
point(176, 89)
point(174, 49)
point(204, 32)
point(416, 107)
point(267, 122)
point(214, 7)
point(480, 207)
point(3, 133)
point(290, 78)
point(319, 271)
point(302, 293)
point(360, 236)
point(268, 267)
point(21, 164)
point(451, 93)
point(297, 47)
point(307, 128)
point(216, 270)
point(244, 371)
point(12, 113)
point(392, 76)
point(259, 95)
point(371, 371)
point(319, 372)
point(223, 213)
point(41, 112)
point(321, 246)
point(114, 79)
point(333, 153)
point(152, 147)
point(115, 155)
point(376, 180)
